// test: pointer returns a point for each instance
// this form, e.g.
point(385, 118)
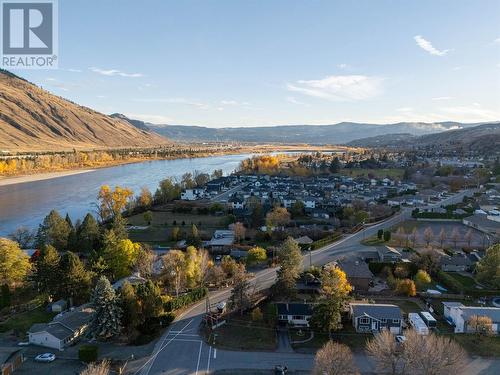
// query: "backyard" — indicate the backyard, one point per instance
point(21, 322)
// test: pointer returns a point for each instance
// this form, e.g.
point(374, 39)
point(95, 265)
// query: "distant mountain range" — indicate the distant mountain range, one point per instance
point(340, 133)
point(32, 119)
point(484, 138)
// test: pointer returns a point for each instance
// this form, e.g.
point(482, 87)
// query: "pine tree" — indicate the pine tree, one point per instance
point(75, 280)
point(88, 234)
point(108, 313)
point(54, 231)
point(47, 273)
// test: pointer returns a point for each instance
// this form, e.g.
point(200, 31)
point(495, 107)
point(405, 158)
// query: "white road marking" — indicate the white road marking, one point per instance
point(199, 357)
point(209, 355)
point(215, 353)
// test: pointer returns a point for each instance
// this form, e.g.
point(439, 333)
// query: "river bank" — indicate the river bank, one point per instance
point(4, 181)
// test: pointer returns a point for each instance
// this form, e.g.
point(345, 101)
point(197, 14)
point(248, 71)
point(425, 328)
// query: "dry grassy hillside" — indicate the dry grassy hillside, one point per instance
point(34, 119)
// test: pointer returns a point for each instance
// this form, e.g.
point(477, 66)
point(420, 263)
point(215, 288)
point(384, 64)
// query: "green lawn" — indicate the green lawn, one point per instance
point(347, 335)
point(373, 241)
point(467, 282)
point(23, 321)
point(241, 333)
point(484, 346)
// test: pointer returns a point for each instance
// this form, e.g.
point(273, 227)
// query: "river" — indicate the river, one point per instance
point(26, 204)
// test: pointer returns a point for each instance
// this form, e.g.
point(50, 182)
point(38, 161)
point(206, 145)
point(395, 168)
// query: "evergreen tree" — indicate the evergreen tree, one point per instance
point(72, 238)
point(241, 296)
point(150, 296)
point(75, 280)
point(54, 231)
point(88, 234)
point(119, 227)
point(131, 308)
point(108, 313)
point(47, 275)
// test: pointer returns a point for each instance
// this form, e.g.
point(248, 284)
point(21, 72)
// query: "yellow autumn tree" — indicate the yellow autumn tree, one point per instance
point(14, 263)
point(113, 202)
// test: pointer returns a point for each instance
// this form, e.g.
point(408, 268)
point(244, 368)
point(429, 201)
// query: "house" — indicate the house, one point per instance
point(458, 315)
point(192, 194)
point(10, 360)
point(294, 314)
point(455, 263)
point(358, 273)
point(388, 254)
point(304, 240)
point(58, 306)
point(133, 279)
point(367, 317)
point(63, 330)
point(483, 223)
point(221, 240)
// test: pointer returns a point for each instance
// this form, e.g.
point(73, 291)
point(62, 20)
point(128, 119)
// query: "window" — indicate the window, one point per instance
point(395, 321)
point(364, 320)
point(298, 317)
point(384, 320)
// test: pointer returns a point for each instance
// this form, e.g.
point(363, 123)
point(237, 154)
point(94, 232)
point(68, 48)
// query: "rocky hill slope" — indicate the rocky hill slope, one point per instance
point(32, 119)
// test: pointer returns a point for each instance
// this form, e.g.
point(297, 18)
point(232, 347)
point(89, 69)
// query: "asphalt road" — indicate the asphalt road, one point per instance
point(182, 351)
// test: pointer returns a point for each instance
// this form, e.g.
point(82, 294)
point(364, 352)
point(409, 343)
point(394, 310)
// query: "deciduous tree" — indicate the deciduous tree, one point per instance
point(290, 261)
point(113, 202)
point(388, 354)
point(14, 263)
point(334, 359)
point(278, 217)
point(480, 325)
point(256, 255)
point(428, 236)
point(488, 269)
point(174, 269)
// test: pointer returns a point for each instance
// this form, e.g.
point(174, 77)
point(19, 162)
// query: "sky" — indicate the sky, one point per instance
point(223, 63)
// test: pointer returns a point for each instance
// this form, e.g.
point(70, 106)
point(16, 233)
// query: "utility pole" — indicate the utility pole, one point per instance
point(310, 257)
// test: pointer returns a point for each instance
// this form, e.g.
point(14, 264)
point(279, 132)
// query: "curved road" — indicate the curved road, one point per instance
point(182, 351)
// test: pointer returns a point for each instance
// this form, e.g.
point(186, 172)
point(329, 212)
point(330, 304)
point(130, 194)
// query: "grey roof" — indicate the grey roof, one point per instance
point(294, 309)
point(66, 324)
point(456, 260)
point(376, 310)
point(491, 312)
point(355, 268)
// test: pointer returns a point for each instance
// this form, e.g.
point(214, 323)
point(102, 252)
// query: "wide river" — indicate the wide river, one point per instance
point(26, 204)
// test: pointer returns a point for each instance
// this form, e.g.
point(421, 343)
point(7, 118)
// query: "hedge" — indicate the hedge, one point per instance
point(186, 299)
point(325, 241)
point(88, 353)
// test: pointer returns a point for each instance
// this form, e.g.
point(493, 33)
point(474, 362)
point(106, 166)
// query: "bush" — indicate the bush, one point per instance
point(88, 353)
point(380, 233)
point(186, 299)
point(387, 236)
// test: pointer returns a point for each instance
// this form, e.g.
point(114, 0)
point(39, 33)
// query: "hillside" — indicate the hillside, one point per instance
point(484, 138)
point(313, 134)
point(32, 119)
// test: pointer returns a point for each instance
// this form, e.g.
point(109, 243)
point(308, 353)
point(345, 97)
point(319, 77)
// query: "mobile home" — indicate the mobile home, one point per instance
point(428, 319)
point(418, 324)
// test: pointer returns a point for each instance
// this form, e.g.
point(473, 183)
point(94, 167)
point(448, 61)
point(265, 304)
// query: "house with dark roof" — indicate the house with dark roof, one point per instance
point(357, 272)
point(294, 314)
point(455, 263)
point(375, 317)
point(63, 330)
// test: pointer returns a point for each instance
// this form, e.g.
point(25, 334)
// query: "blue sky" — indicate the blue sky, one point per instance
point(248, 63)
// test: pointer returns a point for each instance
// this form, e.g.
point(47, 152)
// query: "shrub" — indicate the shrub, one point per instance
point(377, 267)
point(186, 299)
point(88, 353)
point(325, 241)
point(387, 236)
point(449, 282)
point(406, 287)
point(380, 234)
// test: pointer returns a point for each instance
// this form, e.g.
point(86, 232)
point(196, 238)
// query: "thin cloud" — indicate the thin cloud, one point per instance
point(427, 46)
point(438, 98)
point(472, 113)
point(291, 99)
point(497, 41)
point(183, 101)
point(343, 66)
point(115, 72)
point(154, 119)
point(339, 88)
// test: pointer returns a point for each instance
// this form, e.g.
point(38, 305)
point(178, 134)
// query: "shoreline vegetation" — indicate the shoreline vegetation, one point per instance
point(21, 168)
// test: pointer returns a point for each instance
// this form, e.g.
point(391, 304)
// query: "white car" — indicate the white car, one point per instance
point(400, 339)
point(45, 357)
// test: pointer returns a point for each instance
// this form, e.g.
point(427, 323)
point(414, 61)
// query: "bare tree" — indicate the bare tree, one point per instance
point(428, 236)
point(468, 237)
point(455, 236)
point(101, 368)
point(414, 237)
point(23, 236)
point(442, 237)
point(400, 234)
point(480, 325)
point(334, 359)
point(432, 354)
point(239, 231)
point(388, 354)
point(174, 271)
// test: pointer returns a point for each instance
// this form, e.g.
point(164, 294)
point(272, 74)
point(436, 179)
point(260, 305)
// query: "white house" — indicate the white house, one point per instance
point(459, 315)
point(310, 202)
point(192, 194)
point(63, 330)
point(294, 314)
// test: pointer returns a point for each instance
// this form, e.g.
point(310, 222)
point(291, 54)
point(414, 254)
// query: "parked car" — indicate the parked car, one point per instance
point(280, 370)
point(23, 343)
point(45, 357)
point(400, 339)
